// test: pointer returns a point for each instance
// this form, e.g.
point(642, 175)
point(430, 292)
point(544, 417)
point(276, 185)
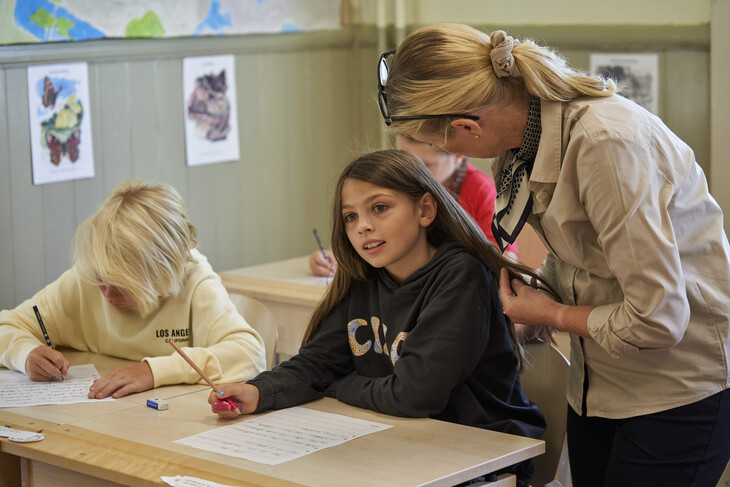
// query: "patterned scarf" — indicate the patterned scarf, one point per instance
point(514, 201)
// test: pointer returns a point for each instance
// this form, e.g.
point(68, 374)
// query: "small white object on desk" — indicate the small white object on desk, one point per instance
point(20, 436)
point(179, 481)
point(159, 404)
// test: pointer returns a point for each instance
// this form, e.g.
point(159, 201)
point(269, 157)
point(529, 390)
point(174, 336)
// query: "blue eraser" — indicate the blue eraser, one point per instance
point(159, 404)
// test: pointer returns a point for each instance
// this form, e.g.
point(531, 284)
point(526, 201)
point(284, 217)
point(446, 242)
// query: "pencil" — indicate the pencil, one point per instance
point(43, 327)
point(197, 369)
point(194, 366)
point(321, 247)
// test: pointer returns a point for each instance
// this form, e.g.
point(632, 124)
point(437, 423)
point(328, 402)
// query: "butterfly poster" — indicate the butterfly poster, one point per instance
point(210, 105)
point(60, 125)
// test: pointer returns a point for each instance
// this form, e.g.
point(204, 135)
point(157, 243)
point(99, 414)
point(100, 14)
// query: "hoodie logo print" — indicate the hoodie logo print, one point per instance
point(360, 349)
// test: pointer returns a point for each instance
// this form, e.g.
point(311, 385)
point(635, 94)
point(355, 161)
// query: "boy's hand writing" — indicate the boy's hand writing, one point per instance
point(45, 364)
point(246, 395)
point(125, 380)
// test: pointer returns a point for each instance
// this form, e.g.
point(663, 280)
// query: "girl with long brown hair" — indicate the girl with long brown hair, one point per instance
point(411, 324)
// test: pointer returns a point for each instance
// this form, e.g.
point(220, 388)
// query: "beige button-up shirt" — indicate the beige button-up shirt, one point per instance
point(630, 227)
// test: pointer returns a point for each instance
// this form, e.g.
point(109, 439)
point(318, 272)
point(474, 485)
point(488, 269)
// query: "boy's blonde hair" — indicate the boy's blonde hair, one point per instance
point(139, 240)
point(447, 68)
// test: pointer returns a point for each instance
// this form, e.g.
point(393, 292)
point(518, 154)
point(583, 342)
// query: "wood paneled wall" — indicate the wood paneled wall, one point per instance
point(304, 109)
point(306, 106)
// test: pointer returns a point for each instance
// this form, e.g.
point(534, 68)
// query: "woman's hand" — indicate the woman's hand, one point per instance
point(123, 381)
point(320, 266)
point(246, 395)
point(45, 364)
point(524, 304)
point(528, 306)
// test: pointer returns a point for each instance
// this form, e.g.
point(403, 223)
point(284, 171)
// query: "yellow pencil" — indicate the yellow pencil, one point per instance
point(197, 369)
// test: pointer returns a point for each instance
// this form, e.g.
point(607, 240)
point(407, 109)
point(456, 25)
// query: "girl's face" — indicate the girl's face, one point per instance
point(387, 228)
point(440, 163)
point(117, 297)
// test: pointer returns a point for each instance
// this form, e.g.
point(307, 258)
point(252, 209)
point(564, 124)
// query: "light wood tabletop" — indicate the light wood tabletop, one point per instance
point(61, 413)
point(288, 288)
point(132, 445)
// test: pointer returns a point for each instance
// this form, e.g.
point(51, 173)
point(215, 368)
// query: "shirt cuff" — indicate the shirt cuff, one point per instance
point(20, 355)
point(599, 328)
point(166, 370)
point(267, 394)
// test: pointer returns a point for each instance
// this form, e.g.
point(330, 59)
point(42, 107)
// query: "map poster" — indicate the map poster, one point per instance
point(28, 21)
point(211, 115)
point(60, 125)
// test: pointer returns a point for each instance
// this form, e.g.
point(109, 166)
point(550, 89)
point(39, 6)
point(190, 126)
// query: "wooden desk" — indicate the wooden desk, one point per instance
point(132, 445)
point(62, 413)
point(287, 288)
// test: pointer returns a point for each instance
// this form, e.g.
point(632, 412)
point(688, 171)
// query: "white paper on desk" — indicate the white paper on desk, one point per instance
point(19, 390)
point(283, 435)
point(179, 481)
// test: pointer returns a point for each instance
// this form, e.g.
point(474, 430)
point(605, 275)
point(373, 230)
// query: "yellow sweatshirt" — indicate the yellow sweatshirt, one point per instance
point(201, 319)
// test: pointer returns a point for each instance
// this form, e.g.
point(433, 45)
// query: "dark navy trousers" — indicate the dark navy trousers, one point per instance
point(687, 446)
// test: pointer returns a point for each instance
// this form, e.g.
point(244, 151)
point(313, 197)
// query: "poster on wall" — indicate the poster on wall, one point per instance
point(636, 74)
point(211, 116)
point(31, 21)
point(60, 125)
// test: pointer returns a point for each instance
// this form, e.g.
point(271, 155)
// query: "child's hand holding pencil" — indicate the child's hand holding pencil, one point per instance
point(44, 363)
point(322, 263)
point(222, 403)
point(246, 395)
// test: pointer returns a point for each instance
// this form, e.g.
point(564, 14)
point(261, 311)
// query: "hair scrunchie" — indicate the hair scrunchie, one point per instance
point(503, 61)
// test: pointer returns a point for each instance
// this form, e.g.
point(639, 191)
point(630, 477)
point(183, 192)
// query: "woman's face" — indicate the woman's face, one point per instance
point(440, 163)
point(501, 127)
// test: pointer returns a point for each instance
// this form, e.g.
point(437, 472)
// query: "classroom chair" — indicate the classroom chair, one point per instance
point(260, 318)
point(544, 378)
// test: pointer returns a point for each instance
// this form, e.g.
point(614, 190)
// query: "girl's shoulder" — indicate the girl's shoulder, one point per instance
point(455, 263)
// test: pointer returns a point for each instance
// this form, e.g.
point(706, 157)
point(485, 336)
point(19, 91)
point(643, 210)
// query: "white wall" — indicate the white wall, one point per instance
point(720, 106)
point(576, 13)
point(542, 12)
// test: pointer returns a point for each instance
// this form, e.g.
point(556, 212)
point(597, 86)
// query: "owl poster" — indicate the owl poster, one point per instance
point(60, 126)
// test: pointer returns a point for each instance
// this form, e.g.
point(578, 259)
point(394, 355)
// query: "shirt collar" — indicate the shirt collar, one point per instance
point(547, 160)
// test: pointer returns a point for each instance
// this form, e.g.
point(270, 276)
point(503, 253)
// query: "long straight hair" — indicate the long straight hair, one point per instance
point(404, 172)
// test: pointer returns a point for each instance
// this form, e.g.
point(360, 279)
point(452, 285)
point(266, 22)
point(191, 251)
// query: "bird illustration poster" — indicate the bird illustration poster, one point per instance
point(210, 105)
point(60, 125)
